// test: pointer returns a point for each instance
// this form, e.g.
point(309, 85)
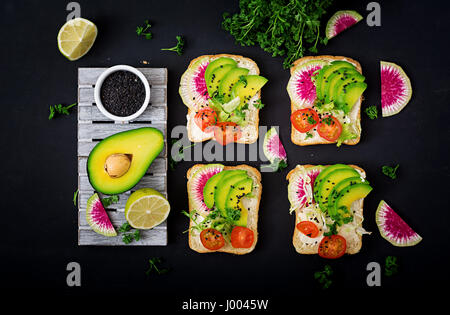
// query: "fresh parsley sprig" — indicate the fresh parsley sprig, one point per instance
point(323, 277)
point(275, 166)
point(144, 30)
point(282, 28)
point(390, 171)
point(59, 109)
point(372, 112)
point(127, 238)
point(179, 155)
point(106, 202)
point(155, 267)
point(391, 266)
point(179, 47)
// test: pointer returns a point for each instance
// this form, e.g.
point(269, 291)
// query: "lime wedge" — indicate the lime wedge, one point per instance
point(76, 37)
point(146, 208)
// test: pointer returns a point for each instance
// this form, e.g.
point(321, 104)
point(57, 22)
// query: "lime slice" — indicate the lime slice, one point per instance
point(146, 208)
point(76, 37)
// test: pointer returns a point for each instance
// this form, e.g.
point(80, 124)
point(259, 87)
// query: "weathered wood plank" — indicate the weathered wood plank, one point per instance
point(85, 147)
point(154, 114)
point(157, 182)
point(155, 76)
point(117, 219)
point(101, 131)
point(158, 95)
point(154, 237)
point(157, 167)
point(92, 126)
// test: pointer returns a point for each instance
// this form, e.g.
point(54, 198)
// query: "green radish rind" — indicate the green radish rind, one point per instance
point(391, 225)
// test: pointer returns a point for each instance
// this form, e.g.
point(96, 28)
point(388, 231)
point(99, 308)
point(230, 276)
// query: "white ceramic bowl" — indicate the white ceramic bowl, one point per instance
point(98, 86)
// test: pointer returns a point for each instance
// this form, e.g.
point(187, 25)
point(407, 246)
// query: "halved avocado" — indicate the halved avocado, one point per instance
point(331, 180)
point(117, 163)
point(230, 79)
point(248, 87)
point(346, 198)
point(216, 63)
point(223, 189)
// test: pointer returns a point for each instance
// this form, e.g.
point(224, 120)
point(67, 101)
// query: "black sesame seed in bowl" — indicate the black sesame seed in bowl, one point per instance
point(122, 93)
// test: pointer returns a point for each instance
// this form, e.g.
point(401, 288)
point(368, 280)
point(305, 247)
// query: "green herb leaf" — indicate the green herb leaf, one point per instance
point(372, 112)
point(143, 30)
point(390, 171)
point(391, 266)
point(308, 135)
point(75, 198)
point(155, 266)
point(110, 200)
point(59, 109)
point(125, 227)
point(178, 48)
point(258, 104)
point(323, 277)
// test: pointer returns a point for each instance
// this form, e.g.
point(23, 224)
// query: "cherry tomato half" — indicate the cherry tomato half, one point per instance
point(329, 128)
point(308, 228)
point(212, 239)
point(205, 119)
point(227, 132)
point(304, 119)
point(332, 247)
point(242, 237)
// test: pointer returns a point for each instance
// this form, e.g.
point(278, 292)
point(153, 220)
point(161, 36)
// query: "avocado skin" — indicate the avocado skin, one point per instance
point(95, 164)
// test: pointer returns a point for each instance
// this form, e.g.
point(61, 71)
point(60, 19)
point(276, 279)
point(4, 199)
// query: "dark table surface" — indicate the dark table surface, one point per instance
point(39, 163)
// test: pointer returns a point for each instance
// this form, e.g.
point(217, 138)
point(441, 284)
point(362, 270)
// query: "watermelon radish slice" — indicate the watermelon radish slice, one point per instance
point(301, 186)
point(393, 228)
point(301, 88)
point(273, 148)
point(396, 90)
point(193, 89)
point(97, 217)
point(198, 182)
point(340, 21)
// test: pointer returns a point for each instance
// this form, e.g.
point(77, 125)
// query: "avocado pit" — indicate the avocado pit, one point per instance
point(118, 164)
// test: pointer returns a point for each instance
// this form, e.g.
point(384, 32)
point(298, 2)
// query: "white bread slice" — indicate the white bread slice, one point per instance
point(355, 114)
point(251, 203)
point(249, 132)
point(354, 240)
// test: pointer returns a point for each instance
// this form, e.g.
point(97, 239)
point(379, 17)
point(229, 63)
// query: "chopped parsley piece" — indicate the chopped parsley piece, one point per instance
point(391, 266)
point(323, 277)
point(390, 171)
point(372, 112)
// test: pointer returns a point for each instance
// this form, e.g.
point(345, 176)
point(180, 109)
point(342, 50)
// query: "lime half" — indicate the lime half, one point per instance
point(146, 208)
point(76, 37)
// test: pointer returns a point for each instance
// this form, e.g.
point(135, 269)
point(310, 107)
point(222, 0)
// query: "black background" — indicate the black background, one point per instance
point(39, 164)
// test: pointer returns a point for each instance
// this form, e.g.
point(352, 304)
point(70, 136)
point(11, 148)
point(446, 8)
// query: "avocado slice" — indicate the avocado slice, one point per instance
point(223, 188)
point(247, 87)
point(329, 181)
point(343, 185)
point(216, 76)
point(345, 199)
point(336, 78)
point(216, 63)
point(118, 162)
point(350, 94)
point(322, 175)
point(210, 187)
point(325, 73)
point(234, 199)
point(230, 79)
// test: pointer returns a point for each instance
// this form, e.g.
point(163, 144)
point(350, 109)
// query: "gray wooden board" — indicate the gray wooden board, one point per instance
point(93, 127)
